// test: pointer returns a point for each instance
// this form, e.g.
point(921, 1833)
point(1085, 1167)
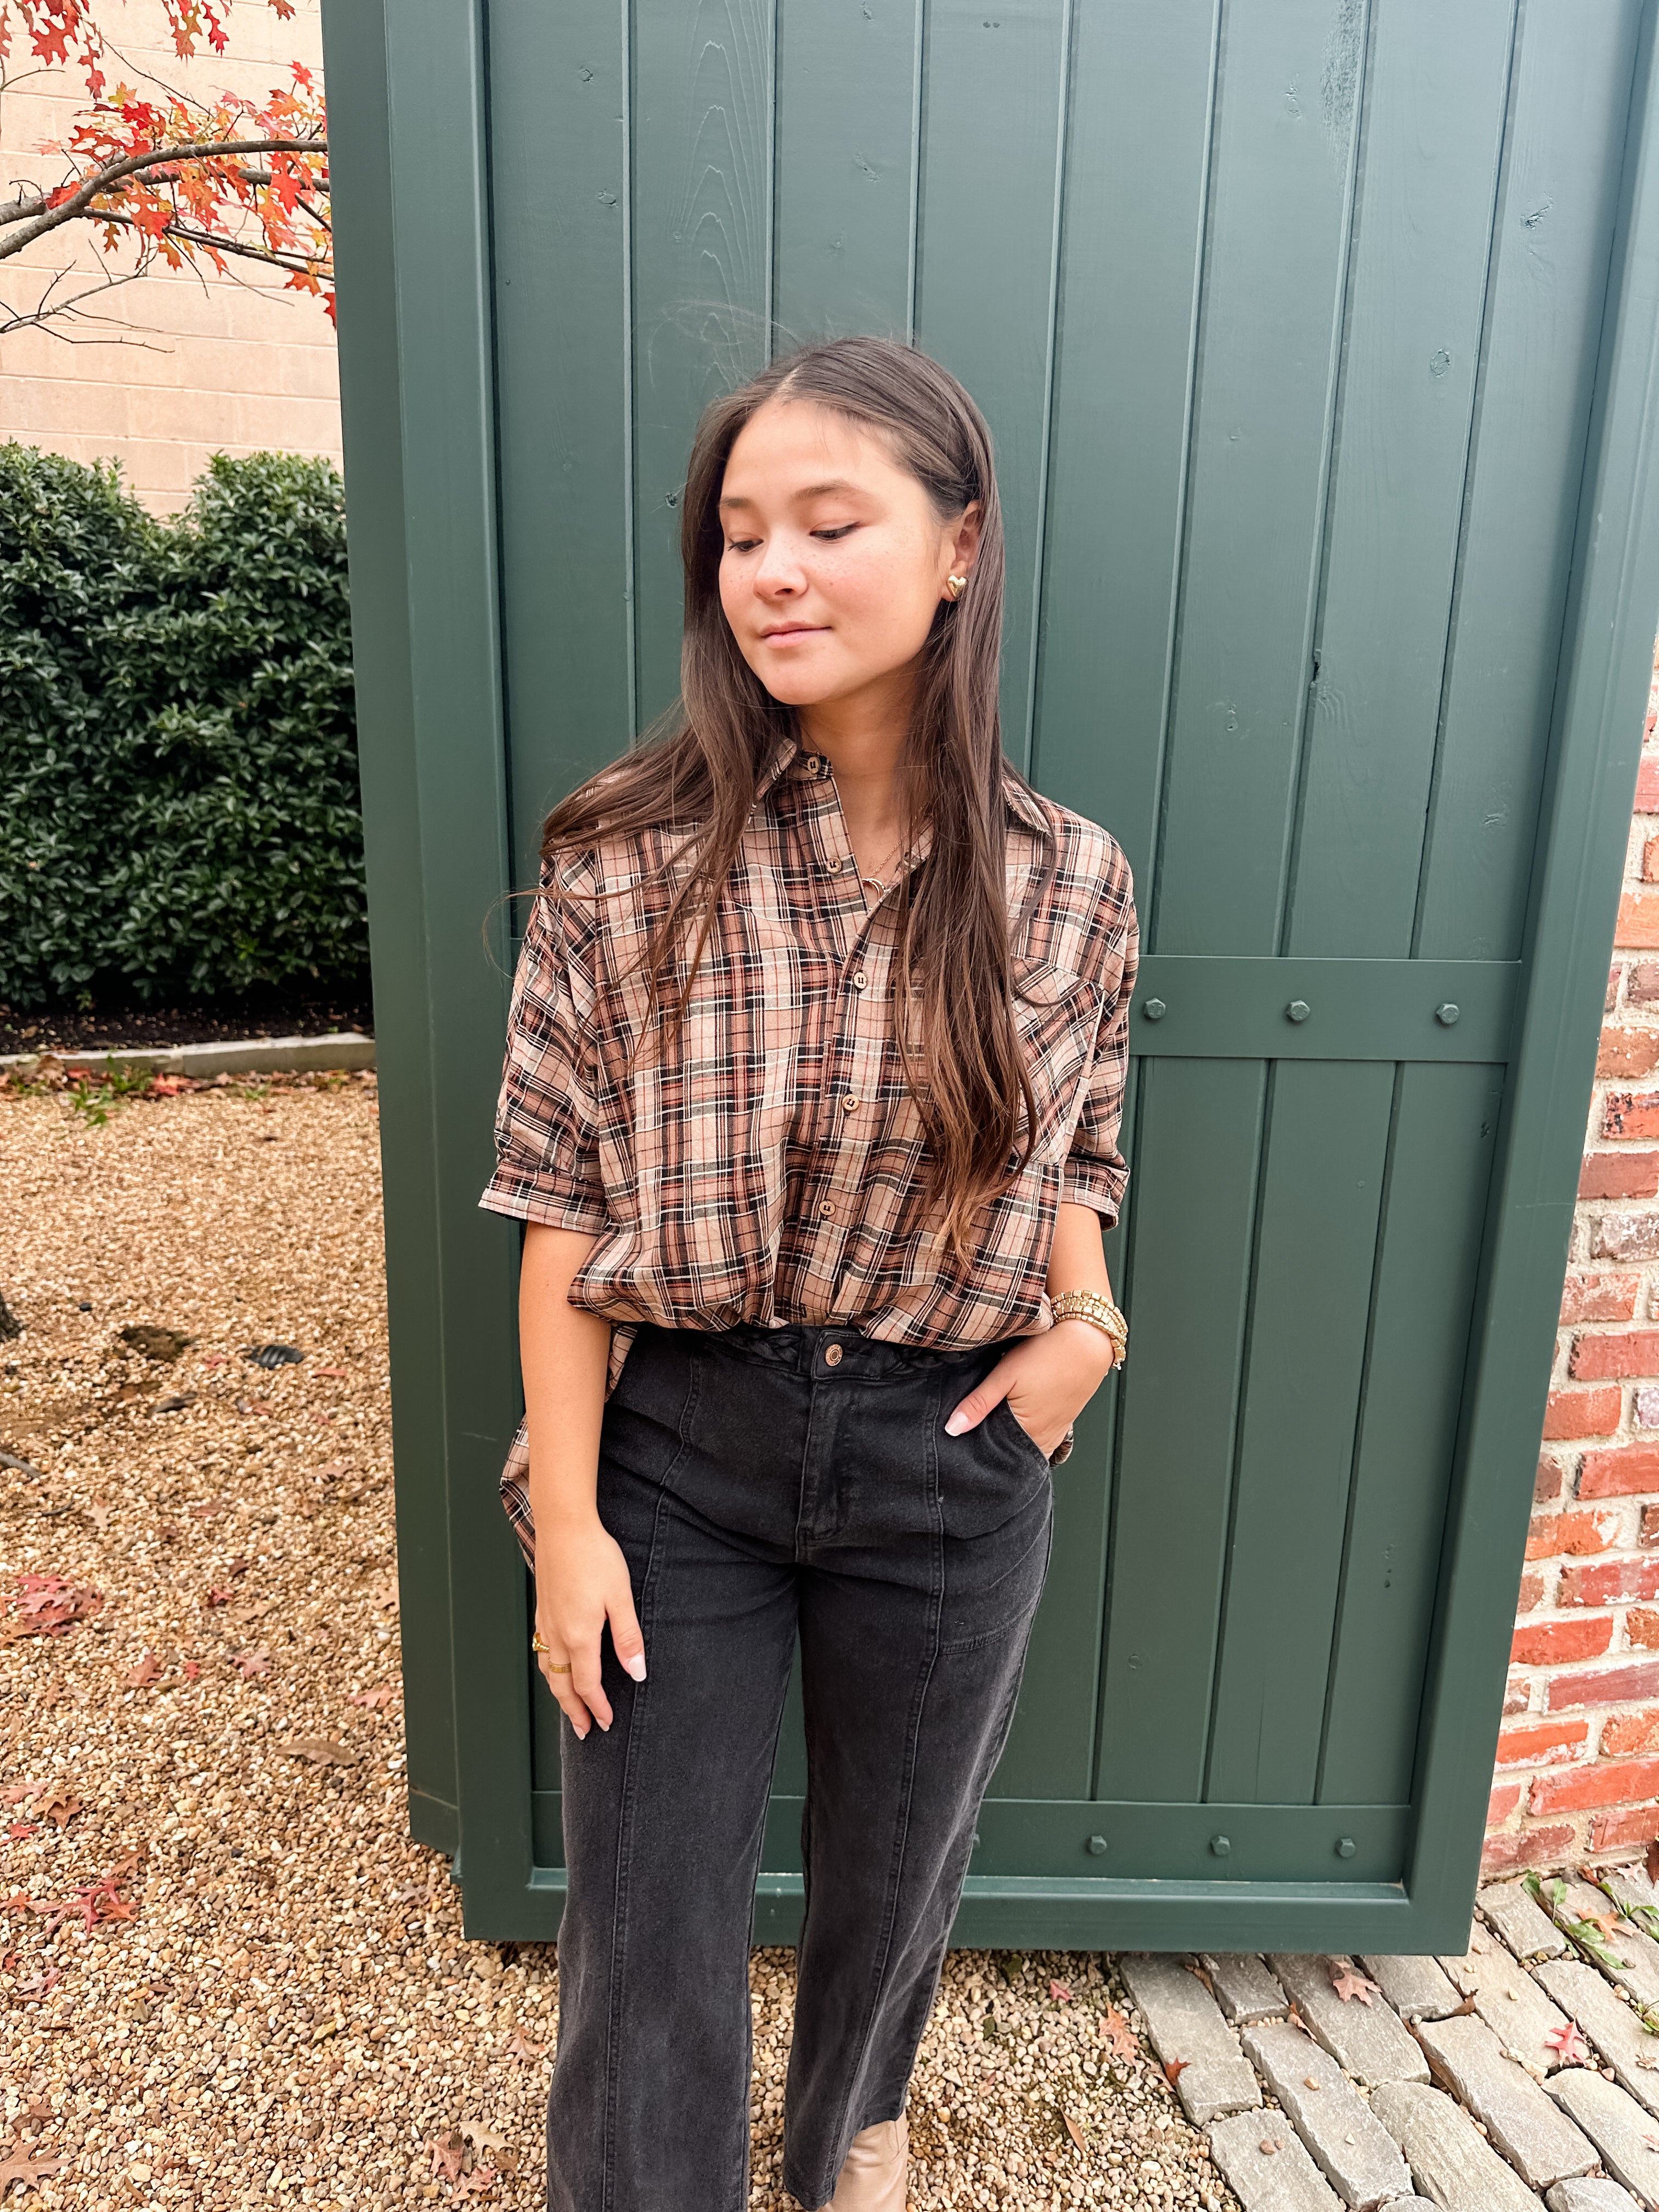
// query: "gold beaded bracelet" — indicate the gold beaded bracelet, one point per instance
point(1090, 1306)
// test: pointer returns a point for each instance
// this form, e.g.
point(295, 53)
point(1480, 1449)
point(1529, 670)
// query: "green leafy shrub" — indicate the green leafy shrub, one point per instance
point(179, 805)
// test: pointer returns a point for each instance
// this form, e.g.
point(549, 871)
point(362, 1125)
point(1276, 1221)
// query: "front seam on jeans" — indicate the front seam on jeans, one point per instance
point(618, 1938)
point(902, 1829)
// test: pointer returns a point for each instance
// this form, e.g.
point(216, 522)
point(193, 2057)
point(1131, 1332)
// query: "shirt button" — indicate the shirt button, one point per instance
point(834, 867)
point(850, 1105)
point(826, 1211)
point(813, 764)
point(859, 979)
point(832, 1355)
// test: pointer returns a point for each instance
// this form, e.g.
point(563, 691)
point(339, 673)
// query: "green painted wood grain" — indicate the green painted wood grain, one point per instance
point(1557, 206)
point(1197, 1142)
point(987, 267)
point(1441, 1151)
point(1142, 85)
point(1434, 131)
point(1310, 1294)
point(560, 183)
point(849, 87)
point(1269, 337)
point(701, 273)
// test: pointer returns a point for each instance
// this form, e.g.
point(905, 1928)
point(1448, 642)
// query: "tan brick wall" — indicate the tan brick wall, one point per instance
point(1578, 1759)
point(232, 364)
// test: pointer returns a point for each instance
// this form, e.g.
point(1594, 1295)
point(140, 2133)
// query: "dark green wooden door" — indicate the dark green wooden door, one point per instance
point(1318, 341)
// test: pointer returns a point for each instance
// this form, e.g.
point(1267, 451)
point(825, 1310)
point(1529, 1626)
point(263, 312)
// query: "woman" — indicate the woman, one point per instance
point(813, 1080)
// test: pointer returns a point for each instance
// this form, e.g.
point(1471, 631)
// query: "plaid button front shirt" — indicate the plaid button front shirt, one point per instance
point(769, 1168)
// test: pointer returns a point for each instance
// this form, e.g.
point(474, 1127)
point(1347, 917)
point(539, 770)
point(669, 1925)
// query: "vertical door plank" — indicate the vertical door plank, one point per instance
point(1439, 1170)
point(1436, 90)
point(1326, 1142)
point(848, 90)
point(1556, 212)
point(1268, 342)
point(1139, 139)
point(1198, 1135)
point(986, 267)
point(701, 271)
point(558, 99)
point(1051, 1746)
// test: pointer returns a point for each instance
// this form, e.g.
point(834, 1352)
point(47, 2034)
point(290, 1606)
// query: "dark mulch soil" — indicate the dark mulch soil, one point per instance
point(62, 1030)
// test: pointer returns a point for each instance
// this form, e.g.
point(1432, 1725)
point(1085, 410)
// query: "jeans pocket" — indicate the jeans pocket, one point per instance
point(1011, 1419)
point(988, 1474)
point(647, 1417)
point(993, 1582)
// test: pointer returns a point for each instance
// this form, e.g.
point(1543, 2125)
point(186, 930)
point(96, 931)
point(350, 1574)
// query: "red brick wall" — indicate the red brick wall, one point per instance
point(1578, 1760)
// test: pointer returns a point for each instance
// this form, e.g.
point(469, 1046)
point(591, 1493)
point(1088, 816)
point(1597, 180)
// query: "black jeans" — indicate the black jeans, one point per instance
point(761, 1480)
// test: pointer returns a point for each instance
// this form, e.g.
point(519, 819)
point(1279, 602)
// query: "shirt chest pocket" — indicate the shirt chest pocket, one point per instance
point(1057, 1021)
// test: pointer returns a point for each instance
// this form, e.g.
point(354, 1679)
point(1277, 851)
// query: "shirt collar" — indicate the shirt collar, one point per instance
point(790, 759)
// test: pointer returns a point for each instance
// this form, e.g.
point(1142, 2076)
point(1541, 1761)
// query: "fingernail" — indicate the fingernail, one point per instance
point(581, 1735)
point(636, 1665)
point(604, 1727)
point(956, 1424)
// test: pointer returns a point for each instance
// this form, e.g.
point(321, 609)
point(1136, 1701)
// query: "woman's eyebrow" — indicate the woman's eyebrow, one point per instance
point(808, 491)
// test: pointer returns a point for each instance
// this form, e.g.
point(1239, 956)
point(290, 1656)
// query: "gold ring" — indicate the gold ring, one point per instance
point(564, 1669)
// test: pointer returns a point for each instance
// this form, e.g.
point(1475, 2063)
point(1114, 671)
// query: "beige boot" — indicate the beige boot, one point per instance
point(877, 2165)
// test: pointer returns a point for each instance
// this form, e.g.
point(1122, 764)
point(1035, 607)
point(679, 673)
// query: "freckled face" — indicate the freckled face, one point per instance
point(835, 560)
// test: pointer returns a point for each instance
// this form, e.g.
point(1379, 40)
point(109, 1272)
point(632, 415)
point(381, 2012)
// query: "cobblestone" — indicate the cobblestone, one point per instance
point(1617, 2125)
point(1367, 2040)
point(1611, 2025)
point(1520, 2117)
point(1353, 2148)
point(1536, 2137)
point(1451, 2162)
point(1185, 2025)
point(1506, 1996)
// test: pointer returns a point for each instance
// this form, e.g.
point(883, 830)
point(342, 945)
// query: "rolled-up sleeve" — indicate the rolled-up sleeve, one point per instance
point(547, 1167)
point(1095, 1173)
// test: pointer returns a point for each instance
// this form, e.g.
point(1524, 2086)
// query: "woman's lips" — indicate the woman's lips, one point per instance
point(790, 636)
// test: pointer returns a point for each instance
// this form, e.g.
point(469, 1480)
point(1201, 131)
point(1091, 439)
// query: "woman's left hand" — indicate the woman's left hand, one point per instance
point(1047, 1380)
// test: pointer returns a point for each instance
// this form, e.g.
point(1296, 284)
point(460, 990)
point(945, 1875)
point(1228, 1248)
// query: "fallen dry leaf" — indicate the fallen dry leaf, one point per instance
point(21, 2165)
point(481, 2138)
point(60, 1809)
point(448, 2153)
point(522, 2047)
point(1567, 2040)
point(147, 1670)
point(1349, 1983)
point(321, 1749)
point(1115, 2030)
point(47, 1604)
point(381, 1697)
point(1075, 2132)
point(250, 1663)
point(1174, 2069)
point(1651, 1862)
point(1060, 1993)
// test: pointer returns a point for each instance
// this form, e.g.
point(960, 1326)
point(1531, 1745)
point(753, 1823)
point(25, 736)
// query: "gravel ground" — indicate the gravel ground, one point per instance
point(229, 1978)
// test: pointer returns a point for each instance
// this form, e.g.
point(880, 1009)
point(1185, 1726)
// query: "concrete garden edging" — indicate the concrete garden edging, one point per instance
point(348, 1050)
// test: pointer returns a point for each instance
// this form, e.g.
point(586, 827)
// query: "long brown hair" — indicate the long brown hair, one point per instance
point(700, 769)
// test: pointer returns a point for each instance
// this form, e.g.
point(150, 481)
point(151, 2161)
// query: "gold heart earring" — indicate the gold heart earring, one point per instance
point(956, 586)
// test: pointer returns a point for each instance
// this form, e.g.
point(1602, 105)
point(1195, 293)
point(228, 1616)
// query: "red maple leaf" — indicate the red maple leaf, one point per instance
point(1572, 2046)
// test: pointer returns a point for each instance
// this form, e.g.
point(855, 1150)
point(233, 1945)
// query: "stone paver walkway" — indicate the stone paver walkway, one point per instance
point(1524, 2074)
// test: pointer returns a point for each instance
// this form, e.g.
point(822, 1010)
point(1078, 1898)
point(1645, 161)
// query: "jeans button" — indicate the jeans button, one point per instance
point(832, 1355)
